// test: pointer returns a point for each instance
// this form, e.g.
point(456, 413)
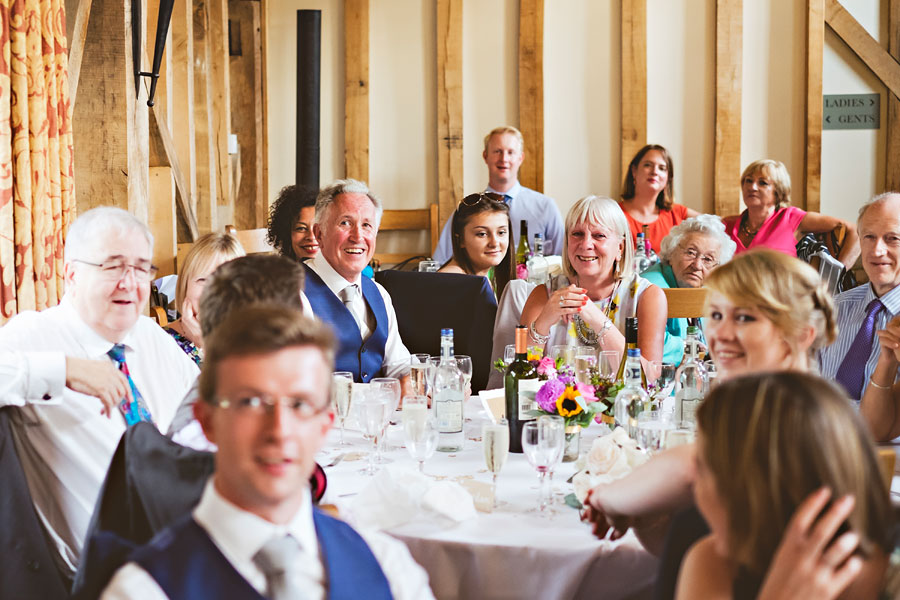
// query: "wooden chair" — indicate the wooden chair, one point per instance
point(158, 314)
point(409, 220)
point(887, 457)
point(685, 303)
point(253, 240)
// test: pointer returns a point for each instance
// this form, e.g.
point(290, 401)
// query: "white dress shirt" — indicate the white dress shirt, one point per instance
point(396, 356)
point(239, 535)
point(64, 441)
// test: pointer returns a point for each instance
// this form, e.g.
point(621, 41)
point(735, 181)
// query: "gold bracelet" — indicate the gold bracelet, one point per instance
point(880, 387)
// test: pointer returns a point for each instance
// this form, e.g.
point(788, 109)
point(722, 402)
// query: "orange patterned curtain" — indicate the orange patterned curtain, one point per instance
point(37, 178)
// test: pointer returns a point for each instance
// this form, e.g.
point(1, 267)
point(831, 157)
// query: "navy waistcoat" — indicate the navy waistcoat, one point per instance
point(186, 564)
point(361, 357)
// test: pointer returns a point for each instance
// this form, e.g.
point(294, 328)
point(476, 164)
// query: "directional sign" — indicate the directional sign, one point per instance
point(852, 111)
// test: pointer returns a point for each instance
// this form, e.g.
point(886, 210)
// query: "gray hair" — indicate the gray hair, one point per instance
point(599, 210)
point(710, 225)
point(344, 186)
point(879, 199)
point(86, 233)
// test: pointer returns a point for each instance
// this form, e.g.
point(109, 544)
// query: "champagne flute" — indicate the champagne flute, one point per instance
point(559, 425)
point(495, 437)
point(418, 363)
point(390, 387)
point(585, 360)
point(419, 429)
point(541, 444)
point(341, 391)
point(372, 413)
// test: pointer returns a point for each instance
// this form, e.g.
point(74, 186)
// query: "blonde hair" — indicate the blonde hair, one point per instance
point(778, 173)
point(599, 210)
point(788, 434)
point(202, 254)
point(785, 289)
point(502, 130)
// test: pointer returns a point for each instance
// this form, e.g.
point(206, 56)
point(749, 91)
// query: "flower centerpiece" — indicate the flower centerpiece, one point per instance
point(611, 457)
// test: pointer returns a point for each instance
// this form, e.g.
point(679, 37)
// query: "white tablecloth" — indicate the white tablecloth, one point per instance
point(512, 552)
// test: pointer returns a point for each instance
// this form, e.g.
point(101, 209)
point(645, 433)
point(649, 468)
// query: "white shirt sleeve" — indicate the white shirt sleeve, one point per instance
point(396, 355)
point(131, 582)
point(31, 377)
point(407, 579)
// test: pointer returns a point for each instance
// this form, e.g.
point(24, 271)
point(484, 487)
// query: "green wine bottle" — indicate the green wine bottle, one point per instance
point(521, 384)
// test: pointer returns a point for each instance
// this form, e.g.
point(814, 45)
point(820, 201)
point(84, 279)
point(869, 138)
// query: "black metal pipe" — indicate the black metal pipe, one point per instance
point(309, 41)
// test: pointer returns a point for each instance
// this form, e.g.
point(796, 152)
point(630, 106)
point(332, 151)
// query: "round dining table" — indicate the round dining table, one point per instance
point(514, 551)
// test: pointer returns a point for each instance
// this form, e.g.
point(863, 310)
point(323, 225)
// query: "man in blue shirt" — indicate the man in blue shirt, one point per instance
point(503, 155)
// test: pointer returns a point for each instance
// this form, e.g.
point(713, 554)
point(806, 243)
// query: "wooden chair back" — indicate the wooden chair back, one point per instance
point(253, 240)
point(410, 220)
point(158, 314)
point(887, 457)
point(685, 303)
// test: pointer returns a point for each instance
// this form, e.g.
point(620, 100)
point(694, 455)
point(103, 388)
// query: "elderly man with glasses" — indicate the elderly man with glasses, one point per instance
point(87, 369)
point(692, 249)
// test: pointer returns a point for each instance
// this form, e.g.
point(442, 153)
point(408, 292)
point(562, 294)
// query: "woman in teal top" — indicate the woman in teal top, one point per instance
point(691, 250)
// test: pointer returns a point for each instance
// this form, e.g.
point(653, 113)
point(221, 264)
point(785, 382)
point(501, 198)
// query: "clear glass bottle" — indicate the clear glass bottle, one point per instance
point(631, 399)
point(520, 385)
point(538, 268)
point(648, 249)
point(641, 261)
point(522, 250)
point(690, 379)
point(631, 341)
point(448, 397)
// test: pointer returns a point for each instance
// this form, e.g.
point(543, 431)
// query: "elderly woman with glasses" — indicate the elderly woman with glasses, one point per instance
point(693, 248)
point(589, 302)
point(480, 235)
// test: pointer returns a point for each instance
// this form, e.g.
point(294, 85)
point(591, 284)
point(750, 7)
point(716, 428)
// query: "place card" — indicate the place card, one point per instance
point(494, 403)
point(482, 493)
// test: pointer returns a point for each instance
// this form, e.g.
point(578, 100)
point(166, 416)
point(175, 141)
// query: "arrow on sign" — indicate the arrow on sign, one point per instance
point(828, 119)
point(871, 101)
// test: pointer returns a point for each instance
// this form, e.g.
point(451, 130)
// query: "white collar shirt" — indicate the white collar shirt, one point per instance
point(64, 441)
point(239, 535)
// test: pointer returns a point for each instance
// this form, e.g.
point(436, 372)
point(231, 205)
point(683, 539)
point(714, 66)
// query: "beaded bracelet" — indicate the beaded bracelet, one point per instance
point(536, 337)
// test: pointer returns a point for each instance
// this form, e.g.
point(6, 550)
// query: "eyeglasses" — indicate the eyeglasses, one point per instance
point(259, 405)
point(114, 270)
point(706, 260)
point(473, 200)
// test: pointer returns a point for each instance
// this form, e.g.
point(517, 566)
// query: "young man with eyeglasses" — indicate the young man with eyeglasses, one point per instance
point(85, 370)
point(265, 402)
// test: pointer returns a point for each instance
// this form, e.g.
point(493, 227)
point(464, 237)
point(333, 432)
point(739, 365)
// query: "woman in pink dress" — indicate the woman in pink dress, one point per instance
point(771, 222)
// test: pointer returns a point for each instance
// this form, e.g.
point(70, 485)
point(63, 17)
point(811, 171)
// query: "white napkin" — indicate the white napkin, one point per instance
point(396, 496)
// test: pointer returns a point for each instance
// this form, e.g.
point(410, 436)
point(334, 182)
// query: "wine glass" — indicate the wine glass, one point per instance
point(341, 391)
point(652, 427)
point(542, 443)
point(390, 386)
point(665, 380)
point(495, 437)
point(464, 363)
point(509, 354)
point(419, 429)
point(430, 371)
point(608, 364)
point(585, 360)
point(559, 424)
point(418, 363)
point(372, 412)
point(566, 353)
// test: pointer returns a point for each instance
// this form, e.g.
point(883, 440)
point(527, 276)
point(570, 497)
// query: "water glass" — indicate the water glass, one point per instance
point(372, 412)
point(652, 426)
point(390, 386)
point(608, 364)
point(428, 266)
point(585, 361)
point(566, 353)
point(419, 429)
point(418, 363)
point(509, 353)
point(681, 433)
point(495, 437)
point(710, 374)
point(464, 363)
point(542, 443)
point(341, 392)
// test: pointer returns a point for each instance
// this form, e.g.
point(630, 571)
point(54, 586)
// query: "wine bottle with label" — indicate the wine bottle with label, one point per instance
point(631, 342)
point(448, 397)
point(522, 250)
point(521, 384)
point(538, 268)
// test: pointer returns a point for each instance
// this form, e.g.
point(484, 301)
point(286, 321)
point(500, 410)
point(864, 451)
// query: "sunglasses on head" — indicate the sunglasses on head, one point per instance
point(473, 200)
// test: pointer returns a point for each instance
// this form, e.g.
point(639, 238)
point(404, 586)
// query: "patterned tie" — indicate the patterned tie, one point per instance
point(852, 369)
point(275, 560)
point(136, 410)
point(349, 295)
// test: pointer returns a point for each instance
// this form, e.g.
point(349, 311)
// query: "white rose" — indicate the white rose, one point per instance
point(606, 457)
point(582, 483)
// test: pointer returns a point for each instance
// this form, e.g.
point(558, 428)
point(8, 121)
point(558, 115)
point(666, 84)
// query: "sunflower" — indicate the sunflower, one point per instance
point(566, 405)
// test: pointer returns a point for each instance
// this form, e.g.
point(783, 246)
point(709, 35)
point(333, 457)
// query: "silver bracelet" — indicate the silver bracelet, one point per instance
point(880, 387)
point(536, 337)
point(603, 330)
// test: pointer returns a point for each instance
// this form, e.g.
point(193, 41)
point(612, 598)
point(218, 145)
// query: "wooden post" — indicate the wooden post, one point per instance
point(162, 219)
point(864, 45)
point(634, 80)
point(181, 118)
point(729, 57)
point(356, 89)
point(77, 32)
point(221, 99)
point(815, 41)
point(449, 107)
point(892, 168)
point(203, 125)
point(531, 91)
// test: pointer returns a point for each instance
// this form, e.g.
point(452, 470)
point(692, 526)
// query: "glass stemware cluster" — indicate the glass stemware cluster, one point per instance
point(543, 441)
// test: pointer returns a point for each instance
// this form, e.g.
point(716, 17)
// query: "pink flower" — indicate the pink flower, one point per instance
point(587, 392)
point(548, 394)
point(521, 271)
point(547, 367)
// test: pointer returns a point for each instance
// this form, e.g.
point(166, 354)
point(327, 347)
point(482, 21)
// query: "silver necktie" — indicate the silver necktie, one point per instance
point(275, 559)
point(349, 295)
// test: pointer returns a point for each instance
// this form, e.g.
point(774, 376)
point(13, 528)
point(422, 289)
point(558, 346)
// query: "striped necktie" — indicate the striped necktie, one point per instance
point(852, 370)
point(136, 410)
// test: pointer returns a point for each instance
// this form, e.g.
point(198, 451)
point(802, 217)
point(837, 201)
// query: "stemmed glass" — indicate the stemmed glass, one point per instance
point(542, 442)
point(372, 412)
point(652, 427)
point(558, 424)
point(495, 437)
point(509, 353)
point(418, 364)
point(566, 353)
point(390, 386)
point(341, 391)
point(464, 364)
point(608, 364)
point(419, 429)
point(585, 361)
point(665, 381)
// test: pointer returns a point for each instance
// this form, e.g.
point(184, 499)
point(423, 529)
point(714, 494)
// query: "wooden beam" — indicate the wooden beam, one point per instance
point(204, 143)
point(76, 46)
point(815, 44)
point(356, 89)
point(161, 136)
point(892, 168)
point(264, 38)
point(531, 91)
point(864, 45)
point(634, 80)
point(729, 58)
point(162, 219)
point(449, 107)
point(181, 118)
point(221, 98)
point(250, 207)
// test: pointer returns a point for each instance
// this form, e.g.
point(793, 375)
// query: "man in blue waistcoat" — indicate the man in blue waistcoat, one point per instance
point(265, 401)
point(359, 309)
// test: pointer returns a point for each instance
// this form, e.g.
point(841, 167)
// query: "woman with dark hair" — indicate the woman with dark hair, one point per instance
point(480, 235)
point(649, 195)
point(291, 222)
